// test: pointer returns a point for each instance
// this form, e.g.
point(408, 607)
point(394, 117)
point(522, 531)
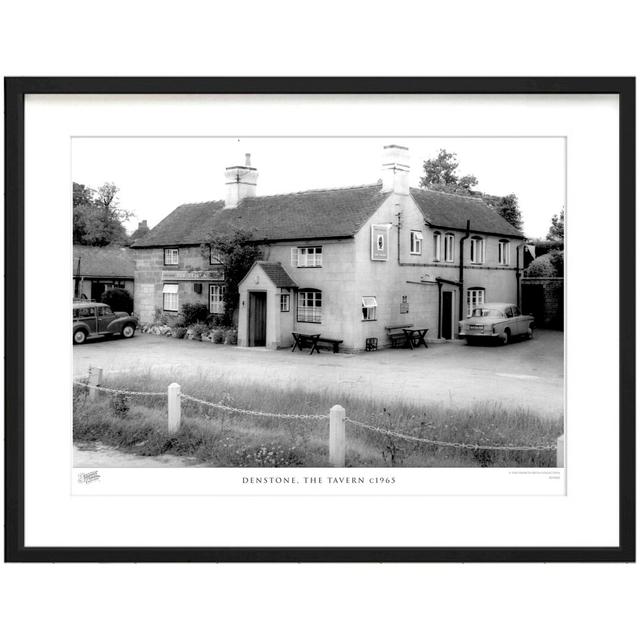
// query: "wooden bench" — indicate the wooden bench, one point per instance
point(329, 343)
point(396, 334)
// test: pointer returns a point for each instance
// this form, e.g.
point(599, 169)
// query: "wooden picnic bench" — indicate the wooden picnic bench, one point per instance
point(313, 340)
point(302, 340)
point(397, 335)
point(416, 337)
point(330, 343)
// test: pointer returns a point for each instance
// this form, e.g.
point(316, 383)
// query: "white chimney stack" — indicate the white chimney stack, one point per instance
point(395, 169)
point(241, 182)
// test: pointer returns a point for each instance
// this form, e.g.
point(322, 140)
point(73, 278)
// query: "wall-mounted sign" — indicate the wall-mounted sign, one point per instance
point(380, 241)
point(214, 273)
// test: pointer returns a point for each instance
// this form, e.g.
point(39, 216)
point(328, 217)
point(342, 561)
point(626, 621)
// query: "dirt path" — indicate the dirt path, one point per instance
point(97, 456)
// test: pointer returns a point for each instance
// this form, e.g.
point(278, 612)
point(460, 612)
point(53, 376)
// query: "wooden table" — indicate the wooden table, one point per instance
point(416, 337)
point(303, 339)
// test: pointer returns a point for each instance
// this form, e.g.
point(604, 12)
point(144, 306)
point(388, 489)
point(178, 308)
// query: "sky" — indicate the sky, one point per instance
point(155, 175)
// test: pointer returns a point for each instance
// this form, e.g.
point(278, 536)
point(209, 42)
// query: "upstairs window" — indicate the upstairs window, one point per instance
point(416, 242)
point(475, 297)
point(477, 250)
point(309, 305)
point(171, 256)
point(449, 247)
point(369, 307)
point(306, 256)
point(216, 298)
point(215, 257)
point(170, 297)
point(503, 252)
point(437, 245)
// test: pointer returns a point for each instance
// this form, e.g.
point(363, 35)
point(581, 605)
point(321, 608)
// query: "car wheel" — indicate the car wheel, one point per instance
point(128, 331)
point(79, 336)
point(505, 336)
point(530, 333)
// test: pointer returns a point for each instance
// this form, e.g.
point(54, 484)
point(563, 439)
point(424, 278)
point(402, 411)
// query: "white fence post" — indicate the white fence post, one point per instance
point(336, 436)
point(95, 380)
point(173, 403)
point(560, 452)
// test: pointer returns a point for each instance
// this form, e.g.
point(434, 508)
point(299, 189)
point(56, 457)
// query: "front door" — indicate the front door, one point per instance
point(447, 315)
point(257, 318)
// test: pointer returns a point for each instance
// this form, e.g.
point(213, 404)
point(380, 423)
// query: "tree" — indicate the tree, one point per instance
point(556, 230)
point(440, 174)
point(97, 218)
point(507, 206)
point(237, 252)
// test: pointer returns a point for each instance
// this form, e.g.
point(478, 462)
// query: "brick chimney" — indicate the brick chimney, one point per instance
point(395, 169)
point(143, 227)
point(241, 182)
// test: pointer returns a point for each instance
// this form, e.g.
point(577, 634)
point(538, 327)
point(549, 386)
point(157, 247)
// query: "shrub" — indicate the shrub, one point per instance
point(231, 336)
point(193, 313)
point(118, 299)
point(178, 332)
point(218, 336)
point(549, 265)
point(196, 331)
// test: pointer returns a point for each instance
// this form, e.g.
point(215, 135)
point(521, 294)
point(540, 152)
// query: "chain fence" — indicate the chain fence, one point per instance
point(320, 417)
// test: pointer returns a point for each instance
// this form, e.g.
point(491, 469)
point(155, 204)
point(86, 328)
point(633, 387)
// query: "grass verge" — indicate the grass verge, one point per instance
point(214, 437)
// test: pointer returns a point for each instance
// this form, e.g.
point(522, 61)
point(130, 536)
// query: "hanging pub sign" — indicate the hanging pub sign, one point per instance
point(380, 241)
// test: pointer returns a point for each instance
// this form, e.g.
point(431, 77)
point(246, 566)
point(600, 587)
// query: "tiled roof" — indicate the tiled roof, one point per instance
point(276, 273)
point(115, 262)
point(452, 211)
point(327, 213)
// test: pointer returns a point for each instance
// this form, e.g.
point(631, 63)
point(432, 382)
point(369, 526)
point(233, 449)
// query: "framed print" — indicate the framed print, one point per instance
point(320, 319)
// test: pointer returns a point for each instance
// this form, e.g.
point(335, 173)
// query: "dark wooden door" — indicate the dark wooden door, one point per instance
point(533, 302)
point(447, 315)
point(257, 319)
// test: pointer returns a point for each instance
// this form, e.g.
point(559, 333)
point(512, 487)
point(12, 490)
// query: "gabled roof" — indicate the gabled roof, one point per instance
point(276, 273)
point(452, 211)
point(105, 262)
point(325, 213)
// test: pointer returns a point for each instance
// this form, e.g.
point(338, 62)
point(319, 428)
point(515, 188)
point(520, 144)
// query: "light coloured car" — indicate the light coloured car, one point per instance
point(97, 319)
point(496, 321)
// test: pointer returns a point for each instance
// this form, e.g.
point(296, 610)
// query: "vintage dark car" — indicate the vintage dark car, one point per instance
point(497, 321)
point(92, 319)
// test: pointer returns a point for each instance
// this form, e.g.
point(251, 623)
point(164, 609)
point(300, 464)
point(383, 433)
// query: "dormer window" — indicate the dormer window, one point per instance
point(171, 257)
point(437, 246)
point(416, 242)
point(503, 252)
point(477, 250)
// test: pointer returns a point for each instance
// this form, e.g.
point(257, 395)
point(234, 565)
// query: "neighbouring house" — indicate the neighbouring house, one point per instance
point(346, 263)
point(96, 269)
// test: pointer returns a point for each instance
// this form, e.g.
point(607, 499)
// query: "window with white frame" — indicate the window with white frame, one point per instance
point(437, 245)
point(306, 256)
point(215, 257)
point(216, 298)
point(285, 302)
point(503, 252)
point(170, 297)
point(369, 307)
point(477, 250)
point(416, 242)
point(449, 247)
point(171, 256)
point(309, 305)
point(475, 297)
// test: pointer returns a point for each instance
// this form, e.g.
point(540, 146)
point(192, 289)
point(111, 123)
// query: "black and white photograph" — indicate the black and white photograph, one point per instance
point(279, 302)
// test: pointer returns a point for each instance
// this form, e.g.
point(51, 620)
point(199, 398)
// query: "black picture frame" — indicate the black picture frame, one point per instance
point(15, 91)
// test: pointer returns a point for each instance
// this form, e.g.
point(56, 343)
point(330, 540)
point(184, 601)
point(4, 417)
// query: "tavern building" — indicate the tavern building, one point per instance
point(345, 263)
